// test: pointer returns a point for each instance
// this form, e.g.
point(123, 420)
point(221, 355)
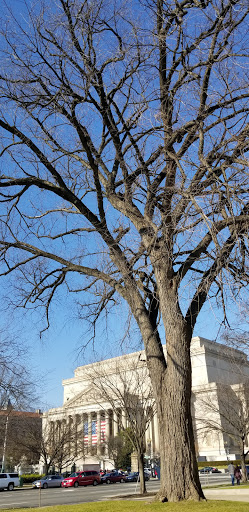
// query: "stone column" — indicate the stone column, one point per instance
point(147, 438)
point(77, 420)
point(107, 432)
point(156, 433)
point(115, 423)
point(69, 427)
point(89, 419)
point(124, 419)
point(58, 430)
point(151, 439)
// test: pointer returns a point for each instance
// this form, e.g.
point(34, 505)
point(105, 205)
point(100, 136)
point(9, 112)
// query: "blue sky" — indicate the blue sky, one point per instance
point(55, 355)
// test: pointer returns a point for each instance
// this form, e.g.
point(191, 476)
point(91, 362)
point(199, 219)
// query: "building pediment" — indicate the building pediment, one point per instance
point(85, 397)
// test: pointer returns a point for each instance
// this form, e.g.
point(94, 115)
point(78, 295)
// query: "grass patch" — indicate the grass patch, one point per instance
point(226, 486)
point(143, 506)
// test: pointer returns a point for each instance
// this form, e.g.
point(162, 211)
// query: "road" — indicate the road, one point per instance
point(27, 498)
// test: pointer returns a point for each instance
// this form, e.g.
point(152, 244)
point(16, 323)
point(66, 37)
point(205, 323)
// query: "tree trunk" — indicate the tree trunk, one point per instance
point(140, 457)
point(171, 382)
point(172, 389)
point(177, 441)
point(243, 466)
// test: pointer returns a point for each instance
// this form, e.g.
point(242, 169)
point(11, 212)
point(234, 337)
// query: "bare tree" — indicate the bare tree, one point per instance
point(126, 388)
point(120, 449)
point(55, 447)
point(16, 383)
point(225, 410)
point(14, 432)
point(125, 175)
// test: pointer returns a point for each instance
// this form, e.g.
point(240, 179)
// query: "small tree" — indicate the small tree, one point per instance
point(126, 387)
point(55, 447)
point(226, 410)
point(14, 434)
point(120, 448)
point(17, 393)
point(16, 383)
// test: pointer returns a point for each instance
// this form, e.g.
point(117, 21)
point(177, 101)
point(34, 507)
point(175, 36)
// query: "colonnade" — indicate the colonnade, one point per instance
point(91, 431)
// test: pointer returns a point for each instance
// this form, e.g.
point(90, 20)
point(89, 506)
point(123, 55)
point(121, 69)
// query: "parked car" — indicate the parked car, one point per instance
point(82, 478)
point(48, 481)
point(134, 477)
point(113, 477)
point(9, 481)
point(209, 469)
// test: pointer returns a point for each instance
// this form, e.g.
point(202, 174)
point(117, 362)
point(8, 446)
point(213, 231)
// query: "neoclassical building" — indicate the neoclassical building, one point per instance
point(93, 403)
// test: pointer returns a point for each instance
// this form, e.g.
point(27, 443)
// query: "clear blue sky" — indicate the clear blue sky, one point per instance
point(55, 356)
point(57, 353)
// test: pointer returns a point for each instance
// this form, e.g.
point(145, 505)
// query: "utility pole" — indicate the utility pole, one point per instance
point(8, 410)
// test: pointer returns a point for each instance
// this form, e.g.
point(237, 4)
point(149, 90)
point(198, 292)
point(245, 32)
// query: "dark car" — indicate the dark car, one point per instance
point(209, 469)
point(113, 477)
point(134, 477)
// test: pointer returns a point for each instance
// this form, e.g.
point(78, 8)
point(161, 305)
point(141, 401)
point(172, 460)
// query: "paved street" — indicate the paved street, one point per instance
point(30, 497)
point(46, 497)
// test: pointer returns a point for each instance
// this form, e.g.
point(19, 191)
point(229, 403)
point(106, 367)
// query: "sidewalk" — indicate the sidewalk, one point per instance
point(233, 494)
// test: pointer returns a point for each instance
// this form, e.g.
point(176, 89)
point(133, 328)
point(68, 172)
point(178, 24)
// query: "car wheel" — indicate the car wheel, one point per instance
point(121, 480)
point(95, 482)
point(108, 481)
point(11, 487)
point(76, 484)
point(45, 486)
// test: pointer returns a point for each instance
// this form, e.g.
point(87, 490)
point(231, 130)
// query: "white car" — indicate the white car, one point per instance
point(9, 481)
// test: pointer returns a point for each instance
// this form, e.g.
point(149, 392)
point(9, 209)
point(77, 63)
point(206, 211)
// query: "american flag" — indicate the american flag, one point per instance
point(94, 431)
point(102, 430)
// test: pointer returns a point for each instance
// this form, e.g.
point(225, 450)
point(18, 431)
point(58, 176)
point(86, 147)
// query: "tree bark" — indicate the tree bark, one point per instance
point(172, 384)
point(176, 433)
point(243, 464)
point(140, 457)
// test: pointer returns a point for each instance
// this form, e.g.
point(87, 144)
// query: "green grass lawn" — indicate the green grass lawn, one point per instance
point(143, 506)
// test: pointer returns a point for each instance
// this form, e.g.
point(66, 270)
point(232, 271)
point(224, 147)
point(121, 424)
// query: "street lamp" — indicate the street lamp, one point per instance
point(5, 443)
point(8, 409)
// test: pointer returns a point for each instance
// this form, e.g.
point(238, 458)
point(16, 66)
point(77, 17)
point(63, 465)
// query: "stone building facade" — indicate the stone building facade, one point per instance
point(94, 420)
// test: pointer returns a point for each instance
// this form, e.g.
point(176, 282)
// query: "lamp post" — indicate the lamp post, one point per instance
point(8, 411)
point(5, 443)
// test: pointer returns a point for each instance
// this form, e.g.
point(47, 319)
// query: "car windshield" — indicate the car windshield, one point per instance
point(74, 474)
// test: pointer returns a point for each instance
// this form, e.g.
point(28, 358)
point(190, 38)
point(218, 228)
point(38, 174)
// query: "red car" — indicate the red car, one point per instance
point(113, 477)
point(82, 478)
